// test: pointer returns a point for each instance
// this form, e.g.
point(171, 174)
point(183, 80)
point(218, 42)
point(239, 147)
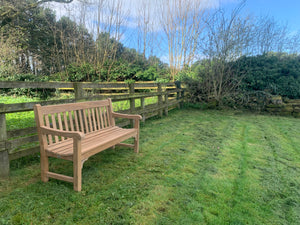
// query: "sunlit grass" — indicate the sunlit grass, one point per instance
point(20, 119)
point(123, 105)
point(194, 167)
point(16, 99)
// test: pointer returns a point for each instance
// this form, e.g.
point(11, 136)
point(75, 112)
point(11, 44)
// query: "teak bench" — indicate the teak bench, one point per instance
point(77, 131)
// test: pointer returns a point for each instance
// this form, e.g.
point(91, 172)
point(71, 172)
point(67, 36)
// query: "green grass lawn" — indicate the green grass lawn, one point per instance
point(194, 167)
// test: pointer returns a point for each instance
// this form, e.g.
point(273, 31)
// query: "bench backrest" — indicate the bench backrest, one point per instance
point(85, 117)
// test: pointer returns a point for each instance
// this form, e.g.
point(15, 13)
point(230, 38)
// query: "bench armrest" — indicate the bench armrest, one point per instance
point(70, 134)
point(127, 116)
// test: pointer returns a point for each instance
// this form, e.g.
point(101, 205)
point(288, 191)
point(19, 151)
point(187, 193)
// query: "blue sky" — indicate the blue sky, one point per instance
point(283, 11)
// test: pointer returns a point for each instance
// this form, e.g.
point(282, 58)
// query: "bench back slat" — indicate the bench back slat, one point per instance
point(60, 126)
point(101, 117)
point(86, 127)
point(104, 116)
point(53, 120)
point(71, 119)
point(79, 113)
point(66, 122)
point(47, 123)
point(90, 120)
point(93, 119)
point(97, 116)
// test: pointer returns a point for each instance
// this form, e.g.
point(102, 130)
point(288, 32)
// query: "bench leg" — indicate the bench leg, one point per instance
point(77, 168)
point(136, 144)
point(44, 167)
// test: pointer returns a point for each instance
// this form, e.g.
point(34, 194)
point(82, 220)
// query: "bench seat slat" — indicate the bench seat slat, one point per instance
point(69, 141)
point(89, 141)
point(65, 148)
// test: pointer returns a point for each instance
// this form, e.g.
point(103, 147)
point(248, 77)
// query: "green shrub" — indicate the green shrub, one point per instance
point(78, 73)
point(275, 73)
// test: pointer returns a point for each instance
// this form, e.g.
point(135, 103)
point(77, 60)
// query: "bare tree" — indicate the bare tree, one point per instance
point(269, 36)
point(145, 24)
point(225, 39)
point(293, 44)
point(111, 21)
point(181, 21)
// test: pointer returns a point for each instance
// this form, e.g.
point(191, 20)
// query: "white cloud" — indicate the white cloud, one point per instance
point(133, 9)
point(130, 14)
point(165, 58)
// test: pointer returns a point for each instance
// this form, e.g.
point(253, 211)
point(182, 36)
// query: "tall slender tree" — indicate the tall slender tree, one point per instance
point(181, 21)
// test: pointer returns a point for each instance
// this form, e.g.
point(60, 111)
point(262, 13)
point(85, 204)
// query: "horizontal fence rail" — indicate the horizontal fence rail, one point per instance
point(55, 85)
point(18, 143)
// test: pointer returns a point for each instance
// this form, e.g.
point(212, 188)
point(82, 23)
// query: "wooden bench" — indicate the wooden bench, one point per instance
point(77, 131)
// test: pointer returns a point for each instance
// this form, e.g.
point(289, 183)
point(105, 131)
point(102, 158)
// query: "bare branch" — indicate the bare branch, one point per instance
point(60, 1)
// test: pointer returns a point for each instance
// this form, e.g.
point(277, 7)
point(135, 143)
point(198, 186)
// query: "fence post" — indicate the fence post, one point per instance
point(182, 96)
point(160, 101)
point(78, 89)
point(143, 108)
point(178, 86)
point(131, 100)
point(166, 103)
point(4, 159)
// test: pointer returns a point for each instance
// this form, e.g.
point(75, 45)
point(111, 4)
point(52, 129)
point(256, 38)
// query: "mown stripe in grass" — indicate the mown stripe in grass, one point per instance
point(281, 177)
point(195, 167)
point(193, 160)
point(231, 201)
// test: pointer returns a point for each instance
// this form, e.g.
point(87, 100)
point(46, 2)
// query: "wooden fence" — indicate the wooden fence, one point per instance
point(12, 142)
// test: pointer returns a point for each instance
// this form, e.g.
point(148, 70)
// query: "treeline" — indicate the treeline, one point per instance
point(34, 42)
point(244, 59)
point(248, 80)
point(274, 73)
point(224, 56)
